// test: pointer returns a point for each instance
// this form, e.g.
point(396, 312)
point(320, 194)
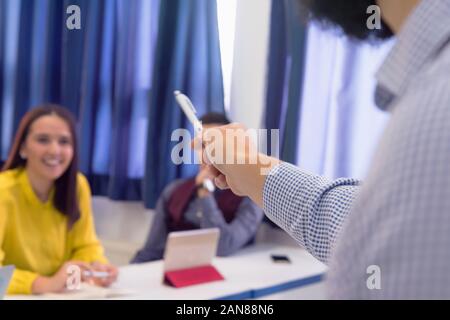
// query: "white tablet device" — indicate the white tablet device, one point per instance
point(5, 277)
point(193, 248)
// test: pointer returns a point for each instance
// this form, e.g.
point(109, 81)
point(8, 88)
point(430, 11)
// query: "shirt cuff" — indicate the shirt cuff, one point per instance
point(280, 192)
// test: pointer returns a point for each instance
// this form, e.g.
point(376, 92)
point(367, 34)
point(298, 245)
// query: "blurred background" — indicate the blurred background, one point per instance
point(251, 59)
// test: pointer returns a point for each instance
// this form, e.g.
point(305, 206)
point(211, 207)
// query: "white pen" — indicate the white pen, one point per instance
point(96, 274)
point(189, 110)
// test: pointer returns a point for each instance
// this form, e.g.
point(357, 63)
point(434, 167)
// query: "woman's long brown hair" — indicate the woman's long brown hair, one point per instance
point(65, 198)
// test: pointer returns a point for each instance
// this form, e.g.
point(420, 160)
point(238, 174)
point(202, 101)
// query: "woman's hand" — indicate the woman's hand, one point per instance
point(58, 282)
point(108, 268)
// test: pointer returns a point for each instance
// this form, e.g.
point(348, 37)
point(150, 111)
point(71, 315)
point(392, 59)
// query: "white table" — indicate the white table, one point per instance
point(249, 274)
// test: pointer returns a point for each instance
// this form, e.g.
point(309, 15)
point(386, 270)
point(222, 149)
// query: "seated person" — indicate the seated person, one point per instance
point(46, 223)
point(188, 204)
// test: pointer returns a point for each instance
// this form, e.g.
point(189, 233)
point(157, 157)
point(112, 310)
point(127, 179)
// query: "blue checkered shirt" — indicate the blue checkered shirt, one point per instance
point(398, 220)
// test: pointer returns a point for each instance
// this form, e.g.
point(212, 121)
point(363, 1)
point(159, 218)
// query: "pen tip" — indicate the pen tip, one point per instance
point(176, 92)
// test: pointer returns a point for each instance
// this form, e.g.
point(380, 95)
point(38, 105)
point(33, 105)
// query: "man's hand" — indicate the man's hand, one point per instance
point(233, 160)
point(202, 175)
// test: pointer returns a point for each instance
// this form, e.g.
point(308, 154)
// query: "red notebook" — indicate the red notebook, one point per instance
point(191, 276)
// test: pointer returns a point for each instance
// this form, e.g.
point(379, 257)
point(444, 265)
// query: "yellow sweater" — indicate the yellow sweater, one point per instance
point(34, 236)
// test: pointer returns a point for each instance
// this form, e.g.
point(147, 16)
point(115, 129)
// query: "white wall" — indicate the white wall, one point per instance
point(250, 62)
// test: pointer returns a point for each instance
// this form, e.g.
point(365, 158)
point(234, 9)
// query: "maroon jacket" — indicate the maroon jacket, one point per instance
point(178, 202)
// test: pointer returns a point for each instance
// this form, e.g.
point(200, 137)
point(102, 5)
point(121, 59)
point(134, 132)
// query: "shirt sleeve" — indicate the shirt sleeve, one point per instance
point(21, 280)
point(3, 224)
point(85, 245)
point(237, 233)
point(309, 207)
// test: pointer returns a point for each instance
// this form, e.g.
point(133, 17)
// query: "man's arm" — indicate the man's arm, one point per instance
point(310, 208)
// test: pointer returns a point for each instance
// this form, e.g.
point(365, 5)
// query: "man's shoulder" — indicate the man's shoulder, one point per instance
point(441, 62)
point(428, 94)
point(435, 74)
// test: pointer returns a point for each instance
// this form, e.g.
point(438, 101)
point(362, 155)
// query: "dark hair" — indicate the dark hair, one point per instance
point(214, 117)
point(65, 186)
point(350, 16)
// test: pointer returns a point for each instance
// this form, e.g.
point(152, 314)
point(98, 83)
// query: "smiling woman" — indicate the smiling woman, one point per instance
point(44, 145)
point(46, 223)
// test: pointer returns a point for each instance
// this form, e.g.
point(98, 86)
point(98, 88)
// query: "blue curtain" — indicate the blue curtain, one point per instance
point(187, 59)
point(116, 74)
point(91, 71)
point(285, 78)
point(2, 67)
